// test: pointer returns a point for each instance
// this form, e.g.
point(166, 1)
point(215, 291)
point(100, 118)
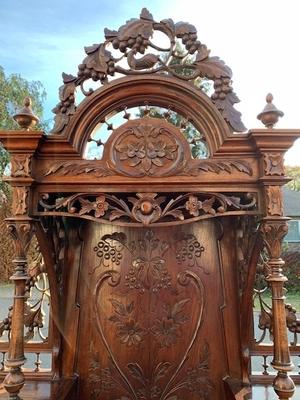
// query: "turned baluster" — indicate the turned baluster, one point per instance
point(273, 230)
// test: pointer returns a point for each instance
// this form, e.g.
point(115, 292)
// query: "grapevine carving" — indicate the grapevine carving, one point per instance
point(134, 43)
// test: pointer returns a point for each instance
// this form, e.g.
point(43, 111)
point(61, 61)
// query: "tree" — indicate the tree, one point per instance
point(294, 173)
point(13, 90)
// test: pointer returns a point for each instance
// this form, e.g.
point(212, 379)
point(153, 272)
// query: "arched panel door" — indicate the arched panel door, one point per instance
point(151, 306)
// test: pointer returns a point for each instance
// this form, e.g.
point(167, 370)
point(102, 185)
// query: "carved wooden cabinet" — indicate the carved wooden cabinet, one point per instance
point(151, 230)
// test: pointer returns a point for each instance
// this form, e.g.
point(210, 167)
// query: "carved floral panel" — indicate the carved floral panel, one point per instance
point(149, 304)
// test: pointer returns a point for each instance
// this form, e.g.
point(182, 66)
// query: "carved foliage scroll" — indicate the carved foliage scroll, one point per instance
point(147, 208)
point(134, 42)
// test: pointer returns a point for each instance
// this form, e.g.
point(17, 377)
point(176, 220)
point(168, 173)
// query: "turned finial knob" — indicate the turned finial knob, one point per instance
point(270, 114)
point(25, 117)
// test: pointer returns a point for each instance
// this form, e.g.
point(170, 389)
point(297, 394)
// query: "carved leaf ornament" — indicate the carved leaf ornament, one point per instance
point(133, 41)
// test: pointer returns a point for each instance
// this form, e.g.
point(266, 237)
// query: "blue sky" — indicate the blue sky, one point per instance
point(258, 39)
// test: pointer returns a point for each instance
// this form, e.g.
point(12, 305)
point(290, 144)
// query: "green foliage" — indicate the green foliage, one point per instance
point(292, 270)
point(294, 173)
point(13, 90)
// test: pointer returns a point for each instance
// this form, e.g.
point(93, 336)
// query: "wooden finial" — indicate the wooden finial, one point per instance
point(25, 117)
point(270, 114)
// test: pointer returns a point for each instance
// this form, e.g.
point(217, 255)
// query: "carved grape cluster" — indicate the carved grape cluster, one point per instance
point(106, 252)
point(190, 41)
point(90, 73)
point(138, 43)
point(64, 105)
point(222, 88)
point(6, 323)
point(190, 249)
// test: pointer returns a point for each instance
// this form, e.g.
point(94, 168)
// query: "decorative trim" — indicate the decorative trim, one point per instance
point(146, 208)
point(132, 40)
point(99, 169)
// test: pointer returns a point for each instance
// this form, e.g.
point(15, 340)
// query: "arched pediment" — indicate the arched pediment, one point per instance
point(156, 90)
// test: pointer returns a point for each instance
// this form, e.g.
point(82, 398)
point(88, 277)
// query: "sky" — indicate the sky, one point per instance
point(258, 40)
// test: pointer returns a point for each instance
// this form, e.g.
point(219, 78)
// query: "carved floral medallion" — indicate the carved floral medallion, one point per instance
point(146, 147)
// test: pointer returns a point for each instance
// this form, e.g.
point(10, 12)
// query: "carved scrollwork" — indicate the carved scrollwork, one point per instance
point(134, 39)
point(146, 208)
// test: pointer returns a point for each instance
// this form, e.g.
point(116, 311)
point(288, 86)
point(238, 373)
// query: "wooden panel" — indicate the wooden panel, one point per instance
point(151, 305)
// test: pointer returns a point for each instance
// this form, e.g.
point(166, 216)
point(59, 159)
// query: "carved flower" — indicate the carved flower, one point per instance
point(166, 331)
point(130, 333)
point(147, 153)
point(99, 206)
point(193, 205)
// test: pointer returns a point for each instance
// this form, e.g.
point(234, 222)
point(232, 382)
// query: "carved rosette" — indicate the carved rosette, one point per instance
point(20, 165)
point(273, 164)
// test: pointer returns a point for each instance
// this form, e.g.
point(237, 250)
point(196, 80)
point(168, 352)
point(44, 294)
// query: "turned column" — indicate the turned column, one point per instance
point(21, 145)
point(272, 144)
point(273, 230)
point(21, 232)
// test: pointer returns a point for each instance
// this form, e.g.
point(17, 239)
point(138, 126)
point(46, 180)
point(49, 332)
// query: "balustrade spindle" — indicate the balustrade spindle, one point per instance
point(37, 362)
point(265, 366)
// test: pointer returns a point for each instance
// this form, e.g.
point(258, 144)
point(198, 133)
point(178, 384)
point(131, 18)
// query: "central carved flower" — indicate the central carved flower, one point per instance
point(150, 149)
